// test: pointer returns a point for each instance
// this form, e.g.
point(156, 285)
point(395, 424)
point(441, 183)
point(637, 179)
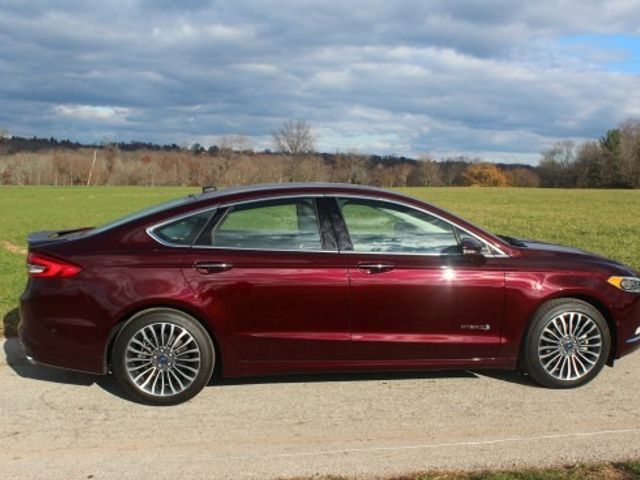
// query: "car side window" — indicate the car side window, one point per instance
point(286, 224)
point(182, 231)
point(378, 226)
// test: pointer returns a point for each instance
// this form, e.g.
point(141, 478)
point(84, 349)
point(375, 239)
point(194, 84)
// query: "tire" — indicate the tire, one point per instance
point(162, 357)
point(567, 344)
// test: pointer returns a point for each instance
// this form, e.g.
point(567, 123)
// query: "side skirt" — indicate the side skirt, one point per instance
point(245, 369)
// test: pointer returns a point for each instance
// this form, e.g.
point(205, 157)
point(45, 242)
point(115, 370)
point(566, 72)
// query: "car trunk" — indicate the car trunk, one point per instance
point(45, 237)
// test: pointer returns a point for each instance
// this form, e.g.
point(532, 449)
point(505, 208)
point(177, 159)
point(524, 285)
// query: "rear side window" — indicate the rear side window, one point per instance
point(377, 226)
point(287, 224)
point(182, 231)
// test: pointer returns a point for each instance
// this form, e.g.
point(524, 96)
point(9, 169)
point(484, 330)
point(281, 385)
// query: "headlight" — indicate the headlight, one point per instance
point(628, 284)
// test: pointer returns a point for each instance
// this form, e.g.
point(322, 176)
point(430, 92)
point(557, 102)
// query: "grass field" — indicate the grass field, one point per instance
point(602, 221)
point(605, 471)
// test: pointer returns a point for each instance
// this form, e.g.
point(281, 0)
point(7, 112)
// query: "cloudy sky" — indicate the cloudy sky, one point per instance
point(500, 79)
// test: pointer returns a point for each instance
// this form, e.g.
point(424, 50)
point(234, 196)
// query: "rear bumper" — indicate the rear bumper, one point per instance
point(37, 354)
point(49, 340)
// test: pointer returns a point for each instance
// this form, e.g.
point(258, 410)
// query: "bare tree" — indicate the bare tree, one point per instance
point(295, 137)
point(349, 168)
point(557, 166)
point(429, 171)
point(234, 143)
point(522, 177)
point(452, 168)
point(630, 152)
point(230, 148)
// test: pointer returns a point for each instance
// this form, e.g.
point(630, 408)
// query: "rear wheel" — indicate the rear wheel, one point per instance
point(567, 344)
point(163, 357)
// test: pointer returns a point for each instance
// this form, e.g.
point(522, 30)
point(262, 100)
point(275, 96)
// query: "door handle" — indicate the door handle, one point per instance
point(379, 267)
point(212, 267)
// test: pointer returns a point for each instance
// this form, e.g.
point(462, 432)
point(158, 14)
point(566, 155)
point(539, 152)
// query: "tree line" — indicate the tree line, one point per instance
point(611, 162)
point(226, 167)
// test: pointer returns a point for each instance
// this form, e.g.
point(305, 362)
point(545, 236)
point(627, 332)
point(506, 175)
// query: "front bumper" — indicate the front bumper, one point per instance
point(629, 336)
point(635, 339)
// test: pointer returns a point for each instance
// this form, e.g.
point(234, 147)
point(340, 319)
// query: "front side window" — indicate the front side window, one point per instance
point(378, 226)
point(287, 224)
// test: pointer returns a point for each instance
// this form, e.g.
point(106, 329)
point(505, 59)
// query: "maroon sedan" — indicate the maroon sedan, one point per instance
point(316, 278)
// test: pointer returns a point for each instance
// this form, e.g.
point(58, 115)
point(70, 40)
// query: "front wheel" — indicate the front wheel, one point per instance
point(163, 357)
point(567, 344)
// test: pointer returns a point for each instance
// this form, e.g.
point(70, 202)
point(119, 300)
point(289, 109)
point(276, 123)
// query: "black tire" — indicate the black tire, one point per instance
point(534, 341)
point(197, 348)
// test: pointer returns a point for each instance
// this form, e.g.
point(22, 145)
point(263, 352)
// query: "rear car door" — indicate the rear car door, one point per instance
point(413, 295)
point(272, 283)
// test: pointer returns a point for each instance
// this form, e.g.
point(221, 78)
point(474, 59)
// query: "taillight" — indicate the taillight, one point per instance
point(40, 266)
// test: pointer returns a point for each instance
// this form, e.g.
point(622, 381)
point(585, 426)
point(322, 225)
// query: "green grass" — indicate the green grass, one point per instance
point(604, 471)
point(602, 221)
point(27, 209)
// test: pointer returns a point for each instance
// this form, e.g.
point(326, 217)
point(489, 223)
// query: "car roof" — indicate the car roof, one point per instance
point(289, 186)
point(298, 187)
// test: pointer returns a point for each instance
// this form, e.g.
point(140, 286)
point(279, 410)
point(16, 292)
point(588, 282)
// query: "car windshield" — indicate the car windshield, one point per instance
point(141, 213)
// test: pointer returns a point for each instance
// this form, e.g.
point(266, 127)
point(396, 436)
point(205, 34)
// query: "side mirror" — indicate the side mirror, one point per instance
point(471, 249)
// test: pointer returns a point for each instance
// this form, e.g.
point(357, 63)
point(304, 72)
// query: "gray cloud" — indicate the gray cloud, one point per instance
point(493, 78)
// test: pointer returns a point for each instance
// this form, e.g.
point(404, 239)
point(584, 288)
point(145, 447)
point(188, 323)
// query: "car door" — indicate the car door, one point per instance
point(272, 282)
point(413, 295)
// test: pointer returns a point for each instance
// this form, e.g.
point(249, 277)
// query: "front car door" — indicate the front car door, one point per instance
point(273, 285)
point(413, 296)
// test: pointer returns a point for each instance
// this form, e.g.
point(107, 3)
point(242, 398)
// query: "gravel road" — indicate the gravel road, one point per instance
point(65, 425)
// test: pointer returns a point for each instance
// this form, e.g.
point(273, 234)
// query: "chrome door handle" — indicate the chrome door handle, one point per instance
point(212, 267)
point(379, 267)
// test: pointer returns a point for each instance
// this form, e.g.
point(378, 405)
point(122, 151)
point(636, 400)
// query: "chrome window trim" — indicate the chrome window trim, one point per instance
point(151, 230)
point(364, 196)
point(247, 249)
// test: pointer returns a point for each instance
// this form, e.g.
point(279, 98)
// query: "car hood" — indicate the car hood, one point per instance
point(535, 249)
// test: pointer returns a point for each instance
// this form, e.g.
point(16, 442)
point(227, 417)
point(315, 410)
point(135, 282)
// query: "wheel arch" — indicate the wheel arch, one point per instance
point(608, 316)
point(591, 300)
point(141, 310)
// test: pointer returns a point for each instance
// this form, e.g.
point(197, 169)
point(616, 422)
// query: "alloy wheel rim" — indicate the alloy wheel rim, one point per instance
point(570, 346)
point(162, 359)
